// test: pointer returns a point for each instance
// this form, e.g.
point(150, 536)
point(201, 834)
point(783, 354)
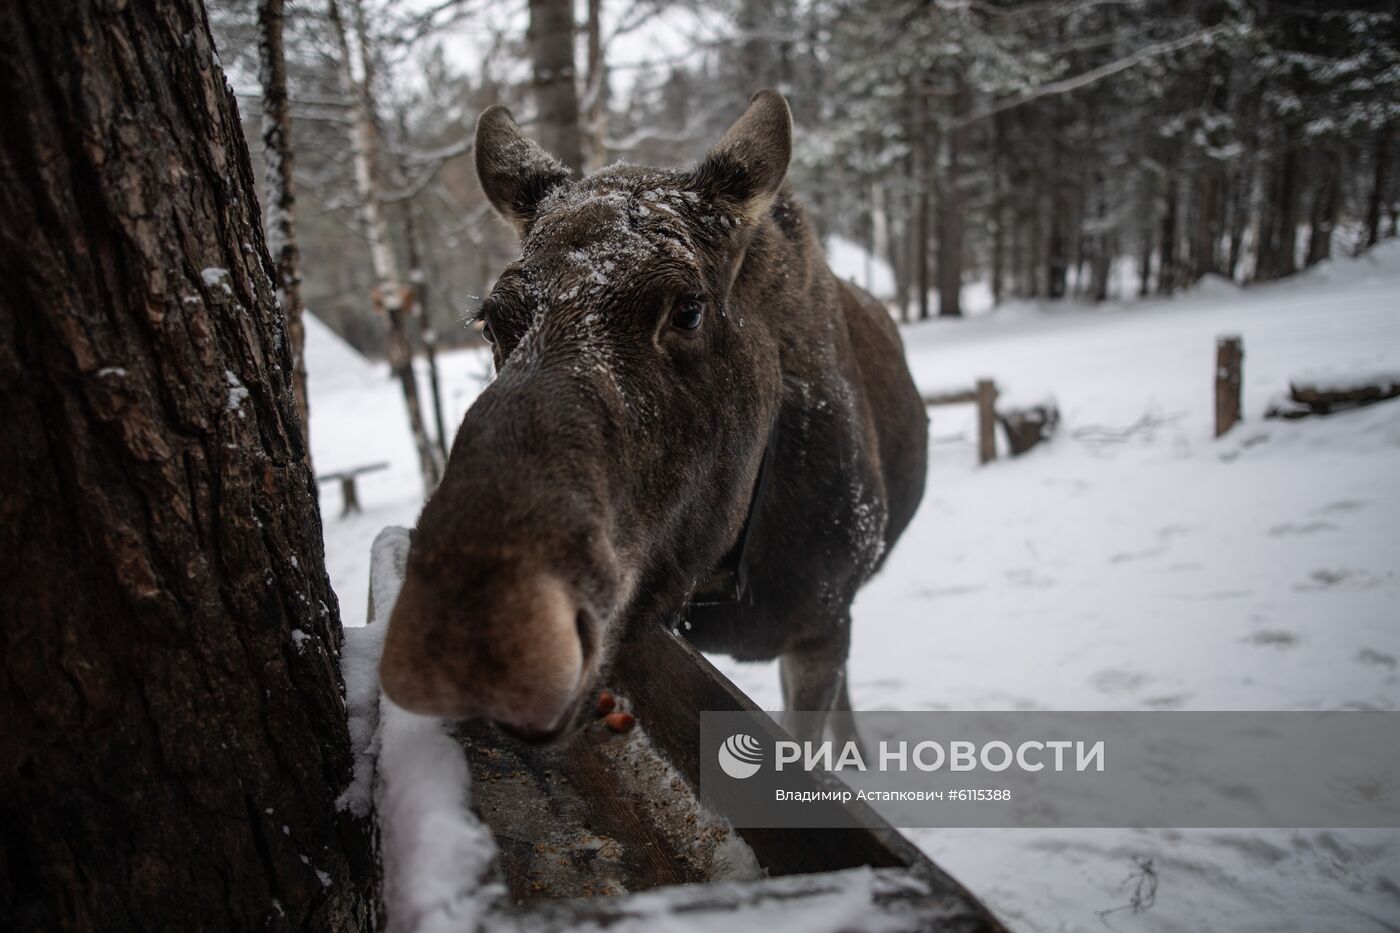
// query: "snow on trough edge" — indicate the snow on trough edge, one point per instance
point(434, 852)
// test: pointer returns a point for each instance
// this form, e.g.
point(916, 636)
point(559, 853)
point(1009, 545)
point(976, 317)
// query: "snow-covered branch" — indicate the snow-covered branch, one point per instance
point(1094, 75)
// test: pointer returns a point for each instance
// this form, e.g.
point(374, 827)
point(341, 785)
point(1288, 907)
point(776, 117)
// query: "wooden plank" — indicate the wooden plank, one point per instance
point(951, 397)
point(1229, 361)
point(1345, 394)
point(899, 900)
point(669, 683)
point(986, 421)
point(351, 472)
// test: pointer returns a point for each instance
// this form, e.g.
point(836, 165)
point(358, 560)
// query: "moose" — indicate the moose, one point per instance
point(665, 337)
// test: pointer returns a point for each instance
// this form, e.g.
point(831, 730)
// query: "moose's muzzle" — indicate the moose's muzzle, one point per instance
point(516, 657)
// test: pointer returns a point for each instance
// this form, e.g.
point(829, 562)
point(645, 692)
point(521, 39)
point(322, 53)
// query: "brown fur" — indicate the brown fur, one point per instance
point(616, 452)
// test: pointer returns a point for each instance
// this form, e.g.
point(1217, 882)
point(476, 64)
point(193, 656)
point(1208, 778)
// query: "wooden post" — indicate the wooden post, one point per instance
point(349, 495)
point(986, 421)
point(1229, 360)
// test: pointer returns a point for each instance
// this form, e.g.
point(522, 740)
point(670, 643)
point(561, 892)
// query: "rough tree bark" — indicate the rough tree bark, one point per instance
point(174, 735)
point(551, 38)
point(369, 188)
point(281, 199)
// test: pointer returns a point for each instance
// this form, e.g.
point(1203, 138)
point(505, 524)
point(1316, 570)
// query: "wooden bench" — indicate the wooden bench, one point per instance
point(349, 495)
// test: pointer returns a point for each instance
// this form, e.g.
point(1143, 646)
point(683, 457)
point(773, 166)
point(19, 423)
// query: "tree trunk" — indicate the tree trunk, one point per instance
point(174, 735)
point(1380, 156)
point(1206, 235)
point(755, 50)
point(1147, 225)
point(1167, 272)
point(281, 200)
point(595, 95)
point(1035, 252)
point(950, 209)
point(879, 225)
point(422, 316)
point(1145, 260)
point(551, 38)
point(922, 173)
point(1327, 195)
point(369, 187)
point(1057, 244)
point(1278, 245)
point(901, 257)
point(1241, 194)
point(1101, 264)
point(998, 209)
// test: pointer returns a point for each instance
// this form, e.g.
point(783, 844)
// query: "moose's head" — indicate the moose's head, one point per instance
point(610, 464)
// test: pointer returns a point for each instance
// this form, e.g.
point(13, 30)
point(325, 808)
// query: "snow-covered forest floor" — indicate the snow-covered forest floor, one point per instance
point(1132, 563)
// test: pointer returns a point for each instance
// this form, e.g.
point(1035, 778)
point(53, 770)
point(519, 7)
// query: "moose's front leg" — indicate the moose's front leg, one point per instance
point(812, 671)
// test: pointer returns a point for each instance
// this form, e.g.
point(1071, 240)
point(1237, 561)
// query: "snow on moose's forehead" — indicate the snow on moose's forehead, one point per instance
point(590, 236)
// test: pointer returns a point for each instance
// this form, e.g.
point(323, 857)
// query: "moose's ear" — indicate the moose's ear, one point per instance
point(515, 172)
point(748, 166)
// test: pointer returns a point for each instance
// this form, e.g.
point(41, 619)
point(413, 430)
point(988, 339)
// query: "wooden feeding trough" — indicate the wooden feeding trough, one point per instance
point(609, 827)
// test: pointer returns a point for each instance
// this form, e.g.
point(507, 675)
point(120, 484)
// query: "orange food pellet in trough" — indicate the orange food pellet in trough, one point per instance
point(620, 722)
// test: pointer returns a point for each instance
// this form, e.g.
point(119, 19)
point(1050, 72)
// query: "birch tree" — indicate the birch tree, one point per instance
point(390, 291)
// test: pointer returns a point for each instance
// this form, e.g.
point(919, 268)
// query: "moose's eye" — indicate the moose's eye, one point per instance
point(688, 314)
point(486, 333)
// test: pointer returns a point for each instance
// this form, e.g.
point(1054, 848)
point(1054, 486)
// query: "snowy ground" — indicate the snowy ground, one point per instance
point(1134, 563)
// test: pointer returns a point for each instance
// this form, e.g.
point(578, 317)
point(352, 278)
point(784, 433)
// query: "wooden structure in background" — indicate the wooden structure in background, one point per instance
point(1323, 396)
point(1026, 427)
point(984, 396)
point(1229, 364)
point(349, 495)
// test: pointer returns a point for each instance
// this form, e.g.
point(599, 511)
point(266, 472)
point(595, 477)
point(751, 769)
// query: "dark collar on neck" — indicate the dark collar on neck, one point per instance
point(729, 580)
